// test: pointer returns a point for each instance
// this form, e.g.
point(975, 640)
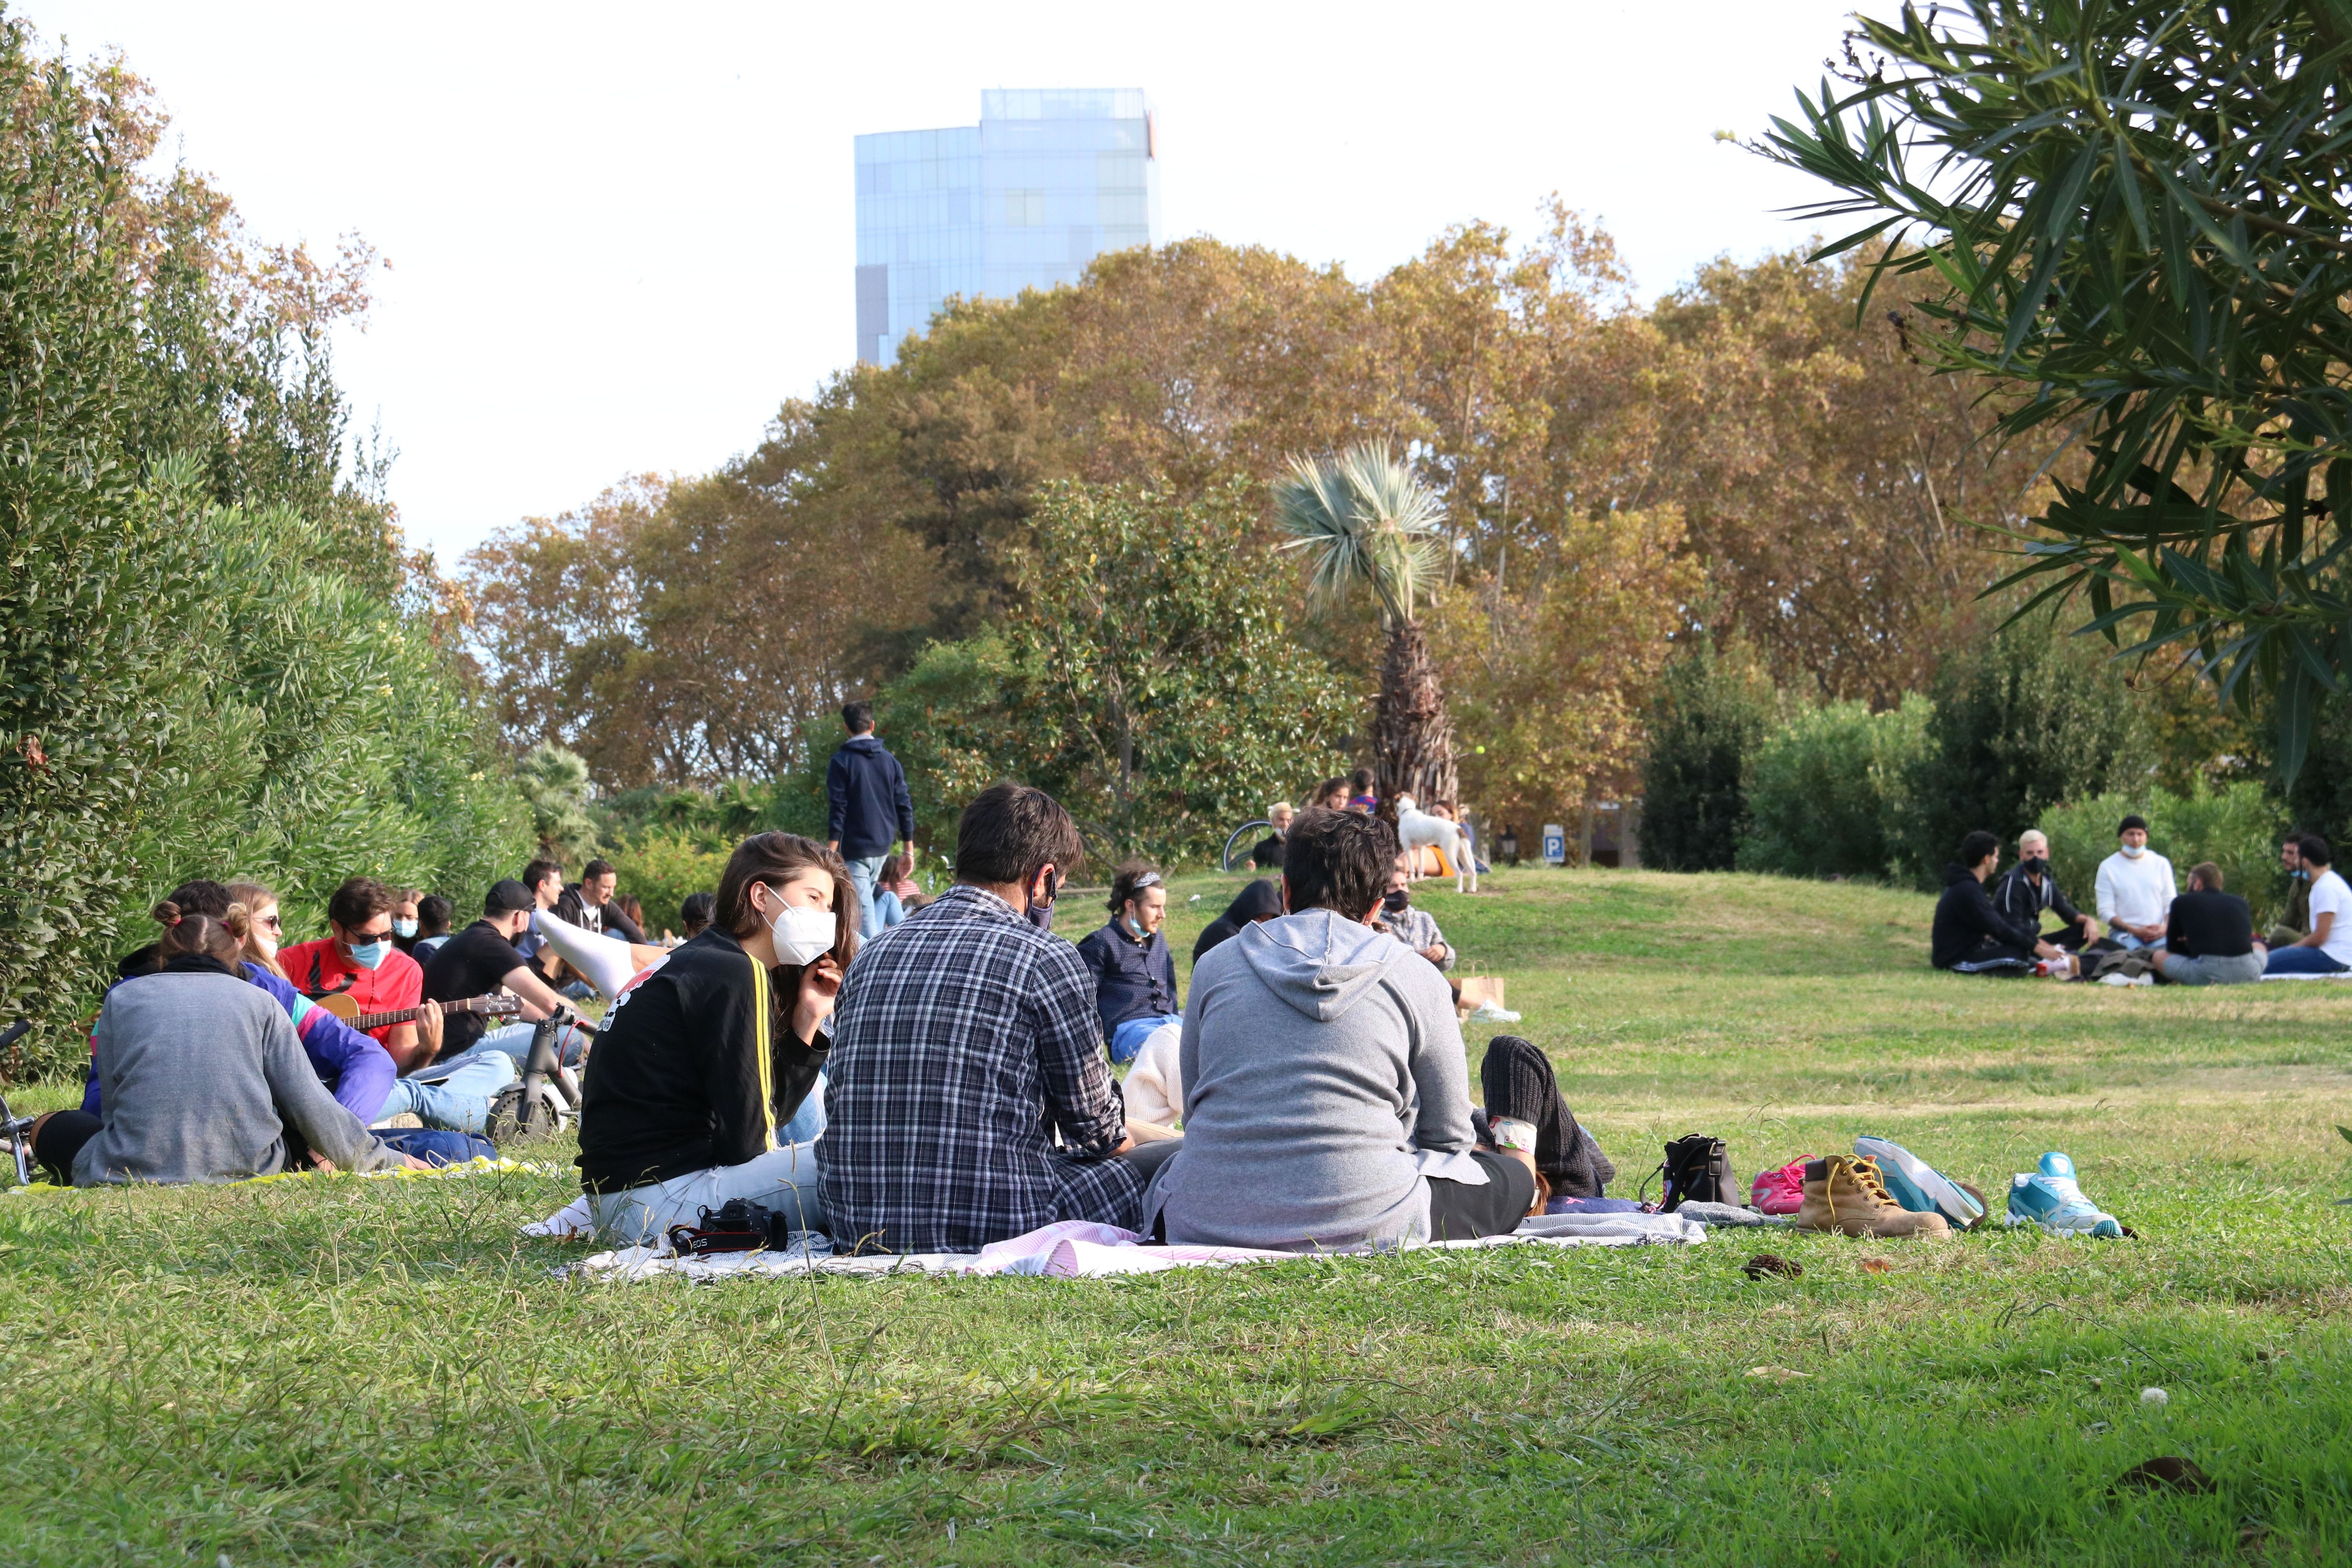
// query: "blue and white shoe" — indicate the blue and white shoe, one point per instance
point(2050, 1198)
point(1917, 1185)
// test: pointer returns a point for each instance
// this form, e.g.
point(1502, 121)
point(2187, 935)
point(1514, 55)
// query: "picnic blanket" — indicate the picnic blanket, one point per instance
point(1076, 1249)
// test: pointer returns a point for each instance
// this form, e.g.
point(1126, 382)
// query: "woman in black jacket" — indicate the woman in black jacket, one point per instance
point(707, 1054)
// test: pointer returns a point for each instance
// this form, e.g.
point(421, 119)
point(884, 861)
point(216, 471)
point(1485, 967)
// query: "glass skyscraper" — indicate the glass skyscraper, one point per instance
point(1048, 180)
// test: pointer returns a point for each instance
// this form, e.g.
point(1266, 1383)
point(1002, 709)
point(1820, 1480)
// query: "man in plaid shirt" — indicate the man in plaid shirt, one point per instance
point(963, 1036)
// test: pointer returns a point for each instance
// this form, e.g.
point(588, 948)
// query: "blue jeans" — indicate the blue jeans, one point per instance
point(863, 871)
point(808, 1120)
point(2302, 961)
point(514, 1040)
point(1126, 1040)
point(454, 1096)
point(438, 1148)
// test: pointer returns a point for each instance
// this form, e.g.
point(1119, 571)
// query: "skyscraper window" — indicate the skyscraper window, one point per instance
point(1049, 179)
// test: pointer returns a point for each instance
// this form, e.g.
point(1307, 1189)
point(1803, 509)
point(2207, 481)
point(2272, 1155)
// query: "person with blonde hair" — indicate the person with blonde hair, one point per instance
point(1267, 854)
point(200, 1077)
point(265, 931)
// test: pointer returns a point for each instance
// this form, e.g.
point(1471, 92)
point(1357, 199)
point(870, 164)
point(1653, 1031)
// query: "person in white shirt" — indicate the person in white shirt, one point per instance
point(2327, 947)
point(2135, 888)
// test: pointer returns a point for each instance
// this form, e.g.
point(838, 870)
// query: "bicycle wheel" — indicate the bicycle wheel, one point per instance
point(1255, 825)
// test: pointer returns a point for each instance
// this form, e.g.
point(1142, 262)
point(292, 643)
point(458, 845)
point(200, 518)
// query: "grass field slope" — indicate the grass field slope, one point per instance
point(336, 1371)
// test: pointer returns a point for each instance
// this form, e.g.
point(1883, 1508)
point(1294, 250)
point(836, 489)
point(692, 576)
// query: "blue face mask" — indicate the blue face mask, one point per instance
point(1135, 926)
point(404, 928)
point(368, 954)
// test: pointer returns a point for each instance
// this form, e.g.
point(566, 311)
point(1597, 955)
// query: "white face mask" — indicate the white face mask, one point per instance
point(802, 932)
point(2133, 851)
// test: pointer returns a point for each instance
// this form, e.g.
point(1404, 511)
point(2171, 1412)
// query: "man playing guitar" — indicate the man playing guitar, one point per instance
point(359, 961)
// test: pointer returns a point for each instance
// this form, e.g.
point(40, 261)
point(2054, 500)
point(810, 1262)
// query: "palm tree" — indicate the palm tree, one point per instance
point(1367, 521)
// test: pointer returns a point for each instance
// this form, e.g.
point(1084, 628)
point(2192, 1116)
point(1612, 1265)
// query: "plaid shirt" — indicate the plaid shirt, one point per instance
point(1417, 928)
point(962, 1036)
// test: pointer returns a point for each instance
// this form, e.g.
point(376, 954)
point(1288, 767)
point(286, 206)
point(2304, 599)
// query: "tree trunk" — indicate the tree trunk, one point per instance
point(1413, 740)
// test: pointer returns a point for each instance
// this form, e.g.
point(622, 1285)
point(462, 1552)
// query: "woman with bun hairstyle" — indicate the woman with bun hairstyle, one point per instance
point(707, 1058)
point(201, 1075)
point(356, 1070)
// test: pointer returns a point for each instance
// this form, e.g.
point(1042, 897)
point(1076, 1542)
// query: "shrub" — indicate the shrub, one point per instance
point(1712, 712)
point(2021, 724)
point(2237, 827)
point(1828, 791)
point(661, 869)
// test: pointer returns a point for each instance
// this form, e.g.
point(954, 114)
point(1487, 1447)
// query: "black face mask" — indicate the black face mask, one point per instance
point(2037, 867)
point(1395, 899)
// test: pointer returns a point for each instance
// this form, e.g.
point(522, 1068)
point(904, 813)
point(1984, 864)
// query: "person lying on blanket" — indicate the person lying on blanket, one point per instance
point(1325, 1100)
point(200, 1078)
point(708, 1053)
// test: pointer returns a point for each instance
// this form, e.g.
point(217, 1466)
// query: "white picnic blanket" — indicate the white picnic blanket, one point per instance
point(1075, 1249)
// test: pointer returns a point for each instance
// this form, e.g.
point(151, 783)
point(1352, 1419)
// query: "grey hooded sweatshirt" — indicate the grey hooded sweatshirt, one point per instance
point(193, 1070)
point(1324, 1079)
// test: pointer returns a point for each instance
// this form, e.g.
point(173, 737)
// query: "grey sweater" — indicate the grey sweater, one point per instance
point(1324, 1077)
point(192, 1066)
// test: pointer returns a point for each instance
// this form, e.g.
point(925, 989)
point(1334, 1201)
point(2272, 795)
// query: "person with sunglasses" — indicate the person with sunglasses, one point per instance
point(357, 959)
point(1135, 974)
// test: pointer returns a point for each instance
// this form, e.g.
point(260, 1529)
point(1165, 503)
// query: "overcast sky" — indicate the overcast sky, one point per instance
point(620, 236)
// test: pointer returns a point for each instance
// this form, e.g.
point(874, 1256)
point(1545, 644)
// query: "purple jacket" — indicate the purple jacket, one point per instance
point(358, 1071)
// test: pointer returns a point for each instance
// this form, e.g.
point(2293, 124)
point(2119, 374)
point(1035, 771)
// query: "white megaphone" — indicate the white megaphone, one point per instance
point(605, 961)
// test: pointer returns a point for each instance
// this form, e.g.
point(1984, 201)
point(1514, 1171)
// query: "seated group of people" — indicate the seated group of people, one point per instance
point(1989, 922)
point(389, 961)
point(961, 1057)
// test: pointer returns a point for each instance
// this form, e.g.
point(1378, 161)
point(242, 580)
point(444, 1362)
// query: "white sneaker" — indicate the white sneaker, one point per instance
point(1487, 1013)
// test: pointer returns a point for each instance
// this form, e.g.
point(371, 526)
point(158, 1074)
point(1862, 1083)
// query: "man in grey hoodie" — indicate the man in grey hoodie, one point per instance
point(1326, 1099)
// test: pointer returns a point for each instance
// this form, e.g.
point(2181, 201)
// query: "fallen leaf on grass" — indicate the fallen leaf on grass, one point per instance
point(1777, 1373)
point(1876, 1266)
point(1770, 1263)
point(2169, 1473)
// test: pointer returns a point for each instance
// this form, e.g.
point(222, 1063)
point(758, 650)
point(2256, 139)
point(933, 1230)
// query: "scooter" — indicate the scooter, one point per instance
point(547, 1097)
point(16, 1130)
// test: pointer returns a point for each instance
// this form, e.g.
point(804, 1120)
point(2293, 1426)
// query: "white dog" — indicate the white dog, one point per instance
point(1417, 830)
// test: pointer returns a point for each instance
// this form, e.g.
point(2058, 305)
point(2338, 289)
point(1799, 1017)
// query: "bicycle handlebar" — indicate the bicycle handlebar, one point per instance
point(15, 1032)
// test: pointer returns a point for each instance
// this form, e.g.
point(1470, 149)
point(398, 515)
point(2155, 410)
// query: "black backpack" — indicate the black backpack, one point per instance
point(1697, 1169)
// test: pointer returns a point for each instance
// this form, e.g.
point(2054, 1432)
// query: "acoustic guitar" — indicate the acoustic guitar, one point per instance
point(341, 1005)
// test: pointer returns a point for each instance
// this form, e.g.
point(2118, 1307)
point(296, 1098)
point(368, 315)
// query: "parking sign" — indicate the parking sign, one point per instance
point(1555, 844)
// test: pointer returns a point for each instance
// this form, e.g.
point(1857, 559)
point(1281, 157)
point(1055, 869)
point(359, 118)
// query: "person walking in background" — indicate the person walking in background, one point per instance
point(868, 808)
point(1266, 855)
point(970, 1101)
point(1361, 795)
point(2327, 947)
point(2028, 887)
point(2209, 935)
point(2296, 918)
point(1135, 974)
point(2135, 888)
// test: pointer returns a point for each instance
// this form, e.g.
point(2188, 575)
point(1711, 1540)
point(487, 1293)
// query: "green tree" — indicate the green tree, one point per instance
point(2022, 725)
point(2135, 210)
point(1146, 677)
point(1366, 522)
point(1711, 712)
point(554, 785)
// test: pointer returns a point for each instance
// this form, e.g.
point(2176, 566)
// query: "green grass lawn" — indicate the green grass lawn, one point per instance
point(339, 1372)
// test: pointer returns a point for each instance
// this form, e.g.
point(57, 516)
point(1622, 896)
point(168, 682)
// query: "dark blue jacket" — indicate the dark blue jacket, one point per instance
point(866, 798)
point(1132, 979)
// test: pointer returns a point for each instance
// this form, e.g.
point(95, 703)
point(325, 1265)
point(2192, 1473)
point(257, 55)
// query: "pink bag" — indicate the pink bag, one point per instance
point(1781, 1191)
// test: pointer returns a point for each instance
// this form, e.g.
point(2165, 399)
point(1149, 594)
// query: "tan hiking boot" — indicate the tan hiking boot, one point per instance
point(1844, 1195)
